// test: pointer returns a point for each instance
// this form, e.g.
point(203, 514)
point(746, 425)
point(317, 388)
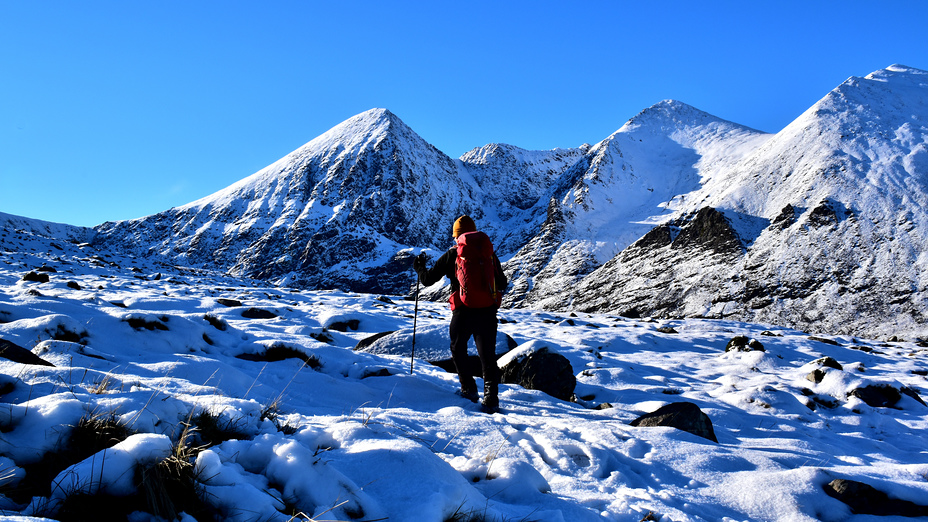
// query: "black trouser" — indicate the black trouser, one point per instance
point(479, 323)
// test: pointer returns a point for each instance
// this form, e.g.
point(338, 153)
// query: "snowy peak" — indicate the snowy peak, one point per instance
point(880, 102)
point(668, 115)
point(679, 120)
point(361, 132)
point(829, 210)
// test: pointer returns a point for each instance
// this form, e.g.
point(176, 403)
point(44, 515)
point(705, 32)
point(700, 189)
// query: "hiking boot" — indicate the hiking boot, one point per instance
point(489, 409)
point(470, 395)
point(491, 396)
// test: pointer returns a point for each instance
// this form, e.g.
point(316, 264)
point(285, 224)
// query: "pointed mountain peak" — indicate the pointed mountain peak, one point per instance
point(884, 99)
point(899, 73)
point(673, 115)
point(367, 127)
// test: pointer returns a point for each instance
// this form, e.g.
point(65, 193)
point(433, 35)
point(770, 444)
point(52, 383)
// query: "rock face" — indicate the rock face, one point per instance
point(820, 226)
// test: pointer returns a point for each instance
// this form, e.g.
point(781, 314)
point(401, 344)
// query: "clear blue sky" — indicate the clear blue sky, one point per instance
point(117, 110)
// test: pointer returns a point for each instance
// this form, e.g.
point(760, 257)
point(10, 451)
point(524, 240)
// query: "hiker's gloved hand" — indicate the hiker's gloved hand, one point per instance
point(419, 264)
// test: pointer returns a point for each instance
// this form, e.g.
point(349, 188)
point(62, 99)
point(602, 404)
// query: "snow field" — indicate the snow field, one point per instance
point(361, 447)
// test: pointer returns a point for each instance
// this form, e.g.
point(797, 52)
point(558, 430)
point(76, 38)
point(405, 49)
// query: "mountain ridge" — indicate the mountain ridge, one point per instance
point(781, 227)
point(823, 210)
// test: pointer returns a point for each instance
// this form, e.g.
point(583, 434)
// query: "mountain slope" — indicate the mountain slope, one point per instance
point(614, 194)
point(830, 216)
point(677, 213)
point(331, 214)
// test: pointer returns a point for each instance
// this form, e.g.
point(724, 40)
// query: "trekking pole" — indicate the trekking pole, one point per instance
point(414, 318)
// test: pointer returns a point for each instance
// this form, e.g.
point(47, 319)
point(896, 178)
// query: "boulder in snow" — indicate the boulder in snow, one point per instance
point(883, 395)
point(684, 416)
point(35, 277)
point(864, 499)
point(741, 343)
point(537, 367)
point(16, 353)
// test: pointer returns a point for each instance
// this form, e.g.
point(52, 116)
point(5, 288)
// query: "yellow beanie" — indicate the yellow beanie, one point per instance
point(463, 225)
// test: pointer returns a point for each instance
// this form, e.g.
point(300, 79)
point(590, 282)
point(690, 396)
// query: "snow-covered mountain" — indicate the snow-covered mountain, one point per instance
point(678, 213)
point(334, 213)
point(824, 224)
point(10, 223)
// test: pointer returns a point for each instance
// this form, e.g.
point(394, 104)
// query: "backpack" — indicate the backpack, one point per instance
point(475, 269)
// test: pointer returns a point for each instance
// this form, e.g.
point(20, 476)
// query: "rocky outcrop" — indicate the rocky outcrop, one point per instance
point(864, 499)
point(684, 416)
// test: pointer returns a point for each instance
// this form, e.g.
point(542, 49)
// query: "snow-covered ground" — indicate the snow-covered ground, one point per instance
point(151, 346)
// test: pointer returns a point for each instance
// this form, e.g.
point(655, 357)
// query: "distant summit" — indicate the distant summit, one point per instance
point(676, 214)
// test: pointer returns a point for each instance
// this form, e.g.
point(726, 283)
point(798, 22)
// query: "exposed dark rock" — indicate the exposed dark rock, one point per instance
point(382, 372)
point(785, 219)
point(7, 385)
point(877, 395)
point(742, 343)
point(16, 353)
point(824, 340)
point(667, 330)
point(63, 333)
point(864, 499)
point(34, 277)
point(343, 326)
point(322, 337)
point(45, 268)
point(823, 215)
point(709, 229)
point(367, 341)
point(816, 375)
point(216, 322)
point(73, 285)
point(828, 362)
point(883, 395)
point(281, 352)
point(657, 237)
point(258, 313)
point(140, 322)
point(684, 416)
point(912, 393)
point(825, 401)
point(543, 370)
point(231, 303)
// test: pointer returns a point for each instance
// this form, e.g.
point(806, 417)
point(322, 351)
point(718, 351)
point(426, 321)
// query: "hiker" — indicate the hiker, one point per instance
point(477, 319)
